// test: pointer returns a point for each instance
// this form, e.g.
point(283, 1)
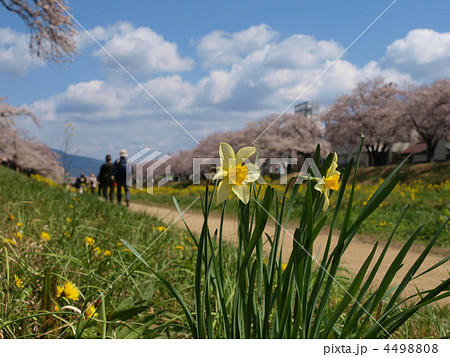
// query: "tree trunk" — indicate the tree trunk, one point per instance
point(431, 146)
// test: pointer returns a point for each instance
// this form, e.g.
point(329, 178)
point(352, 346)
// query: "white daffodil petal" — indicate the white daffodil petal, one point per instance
point(326, 203)
point(331, 170)
point(226, 153)
point(244, 153)
point(223, 191)
point(319, 185)
point(220, 174)
point(243, 192)
point(253, 173)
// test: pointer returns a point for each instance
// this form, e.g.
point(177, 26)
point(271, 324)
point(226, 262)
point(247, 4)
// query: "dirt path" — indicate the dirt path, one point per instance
point(353, 258)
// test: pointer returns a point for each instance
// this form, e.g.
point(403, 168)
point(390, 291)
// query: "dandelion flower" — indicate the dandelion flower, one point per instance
point(68, 220)
point(97, 250)
point(18, 281)
point(56, 308)
point(89, 240)
point(382, 223)
point(45, 236)
point(69, 291)
point(107, 253)
point(59, 291)
point(19, 235)
point(91, 311)
point(180, 247)
point(329, 182)
point(234, 173)
point(10, 241)
point(19, 224)
point(161, 228)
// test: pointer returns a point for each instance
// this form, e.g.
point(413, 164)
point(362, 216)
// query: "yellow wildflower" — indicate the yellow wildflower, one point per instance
point(89, 240)
point(234, 173)
point(180, 247)
point(19, 224)
point(56, 308)
point(107, 253)
point(70, 206)
point(19, 235)
point(161, 228)
point(11, 217)
point(382, 223)
point(91, 311)
point(18, 281)
point(69, 291)
point(67, 234)
point(45, 236)
point(329, 182)
point(10, 241)
point(68, 220)
point(283, 266)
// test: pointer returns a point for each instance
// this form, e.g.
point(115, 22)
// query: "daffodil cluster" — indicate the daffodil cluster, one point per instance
point(236, 172)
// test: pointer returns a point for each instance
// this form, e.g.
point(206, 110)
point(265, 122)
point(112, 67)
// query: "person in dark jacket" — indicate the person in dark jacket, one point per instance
point(106, 179)
point(120, 174)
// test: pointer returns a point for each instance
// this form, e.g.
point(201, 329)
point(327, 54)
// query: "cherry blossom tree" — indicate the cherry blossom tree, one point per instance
point(427, 111)
point(52, 38)
point(291, 135)
point(52, 32)
point(372, 108)
point(26, 154)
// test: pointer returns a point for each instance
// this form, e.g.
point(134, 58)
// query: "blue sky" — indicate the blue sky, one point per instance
point(212, 65)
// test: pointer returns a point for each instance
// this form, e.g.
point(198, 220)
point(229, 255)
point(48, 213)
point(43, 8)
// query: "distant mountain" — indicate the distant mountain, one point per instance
point(80, 164)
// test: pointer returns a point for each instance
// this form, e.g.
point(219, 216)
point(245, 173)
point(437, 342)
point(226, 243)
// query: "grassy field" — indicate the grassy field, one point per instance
point(424, 187)
point(52, 240)
point(66, 273)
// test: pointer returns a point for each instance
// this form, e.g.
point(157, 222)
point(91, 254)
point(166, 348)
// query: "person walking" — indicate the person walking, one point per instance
point(120, 174)
point(93, 182)
point(106, 179)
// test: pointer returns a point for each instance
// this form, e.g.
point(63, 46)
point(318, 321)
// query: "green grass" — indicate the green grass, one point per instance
point(135, 305)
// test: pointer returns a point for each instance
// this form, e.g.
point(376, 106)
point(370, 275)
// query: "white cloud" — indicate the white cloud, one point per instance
point(301, 51)
point(274, 74)
point(140, 50)
point(221, 48)
point(423, 53)
point(15, 58)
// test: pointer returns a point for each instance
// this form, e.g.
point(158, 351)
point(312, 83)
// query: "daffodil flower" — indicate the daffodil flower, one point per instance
point(329, 182)
point(234, 173)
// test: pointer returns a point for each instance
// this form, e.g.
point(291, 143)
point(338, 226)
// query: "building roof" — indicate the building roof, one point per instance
point(419, 148)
